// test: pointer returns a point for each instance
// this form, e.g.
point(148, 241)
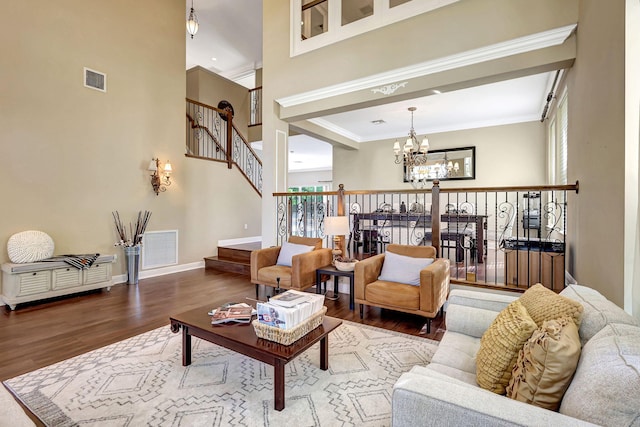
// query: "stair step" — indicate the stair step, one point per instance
point(233, 258)
point(215, 263)
point(240, 253)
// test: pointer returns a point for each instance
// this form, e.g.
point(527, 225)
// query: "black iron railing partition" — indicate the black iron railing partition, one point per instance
point(506, 237)
point(211, 135)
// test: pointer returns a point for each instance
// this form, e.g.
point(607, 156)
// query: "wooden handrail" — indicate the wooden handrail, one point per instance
point(255, 88)
point(567, 187)
point(247, 145)
point(206, 106)
point(206, 129)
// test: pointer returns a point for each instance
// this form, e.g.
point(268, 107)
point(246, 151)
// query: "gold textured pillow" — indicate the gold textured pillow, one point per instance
point(546, 364)
point(544, 304)
point(499, 347)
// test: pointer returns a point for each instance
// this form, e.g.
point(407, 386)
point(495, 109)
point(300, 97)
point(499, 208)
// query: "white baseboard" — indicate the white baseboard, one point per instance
point(144, 274)
point(239, 241)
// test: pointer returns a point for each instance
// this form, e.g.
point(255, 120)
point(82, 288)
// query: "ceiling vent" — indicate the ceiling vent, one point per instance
point(95, 80)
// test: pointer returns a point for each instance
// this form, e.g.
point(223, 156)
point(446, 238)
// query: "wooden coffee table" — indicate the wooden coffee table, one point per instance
point(242, 339)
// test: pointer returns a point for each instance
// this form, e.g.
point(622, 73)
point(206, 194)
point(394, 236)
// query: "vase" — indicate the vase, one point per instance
point(132, 254)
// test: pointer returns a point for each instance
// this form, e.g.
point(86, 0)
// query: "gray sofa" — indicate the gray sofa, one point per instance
point(605, 389)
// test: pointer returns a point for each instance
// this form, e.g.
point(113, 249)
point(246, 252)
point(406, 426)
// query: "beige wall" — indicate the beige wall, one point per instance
point(632, 156)
point(596, 152)
point(69, 155)
point(505, 155)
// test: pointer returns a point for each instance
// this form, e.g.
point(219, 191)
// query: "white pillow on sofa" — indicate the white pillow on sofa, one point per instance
point(288, 250)
point(403, 269)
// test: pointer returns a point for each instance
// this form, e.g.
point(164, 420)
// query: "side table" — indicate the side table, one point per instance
point(330, 270)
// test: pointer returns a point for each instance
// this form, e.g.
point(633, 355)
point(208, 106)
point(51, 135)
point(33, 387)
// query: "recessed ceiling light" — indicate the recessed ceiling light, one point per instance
point(377, 122)
point(214, 59)
point(436, 91)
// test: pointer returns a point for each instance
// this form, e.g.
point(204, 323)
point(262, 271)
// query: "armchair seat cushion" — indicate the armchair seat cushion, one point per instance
point(393, 294)
point(271, 273)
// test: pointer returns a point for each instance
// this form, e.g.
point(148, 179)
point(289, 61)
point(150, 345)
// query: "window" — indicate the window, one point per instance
point(558, 141)
point(315, 18)
point(318, 23)
point(307, 212)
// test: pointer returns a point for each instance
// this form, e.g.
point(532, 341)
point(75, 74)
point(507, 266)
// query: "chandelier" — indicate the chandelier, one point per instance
point(192, 22)
point(414, 156)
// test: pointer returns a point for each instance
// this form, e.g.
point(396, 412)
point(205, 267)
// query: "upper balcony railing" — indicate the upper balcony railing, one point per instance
point(499, 237)
point(212, 135)
point(255, 102)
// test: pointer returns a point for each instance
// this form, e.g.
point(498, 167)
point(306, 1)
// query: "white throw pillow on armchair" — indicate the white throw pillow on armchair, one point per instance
point(288, 250)
point(403, 269)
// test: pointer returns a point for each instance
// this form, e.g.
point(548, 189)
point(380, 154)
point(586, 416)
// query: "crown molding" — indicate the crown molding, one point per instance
point(515, 46)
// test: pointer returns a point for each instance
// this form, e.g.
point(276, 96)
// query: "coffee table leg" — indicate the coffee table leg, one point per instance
point(324, 353)
point(186, 346)
point(278, 385)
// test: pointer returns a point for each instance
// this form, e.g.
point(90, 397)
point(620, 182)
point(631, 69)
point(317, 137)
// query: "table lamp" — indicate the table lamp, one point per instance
point(336, 226)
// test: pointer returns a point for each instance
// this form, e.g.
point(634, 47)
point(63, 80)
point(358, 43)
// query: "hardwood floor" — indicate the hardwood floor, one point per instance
point(40, 334)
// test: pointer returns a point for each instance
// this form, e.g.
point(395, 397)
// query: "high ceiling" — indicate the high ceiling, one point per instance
point(238, 53)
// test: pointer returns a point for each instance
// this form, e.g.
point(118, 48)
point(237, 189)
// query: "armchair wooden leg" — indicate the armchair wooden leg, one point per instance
point(257, 289)
point(361, 311)
point(428, 326)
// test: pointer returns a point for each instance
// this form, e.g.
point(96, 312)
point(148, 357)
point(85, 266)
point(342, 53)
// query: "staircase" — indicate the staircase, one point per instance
point(211, 135)
point(233, 258)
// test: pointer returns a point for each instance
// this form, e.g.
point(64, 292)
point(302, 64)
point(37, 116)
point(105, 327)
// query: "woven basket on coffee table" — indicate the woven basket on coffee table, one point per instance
point(289, 336)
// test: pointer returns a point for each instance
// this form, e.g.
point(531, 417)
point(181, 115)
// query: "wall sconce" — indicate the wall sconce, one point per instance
point(160, 180)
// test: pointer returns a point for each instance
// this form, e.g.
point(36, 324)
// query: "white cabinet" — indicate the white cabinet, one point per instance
point(40, 280)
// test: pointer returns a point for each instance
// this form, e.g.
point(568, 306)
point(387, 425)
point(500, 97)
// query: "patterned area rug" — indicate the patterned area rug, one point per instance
point(141, 381)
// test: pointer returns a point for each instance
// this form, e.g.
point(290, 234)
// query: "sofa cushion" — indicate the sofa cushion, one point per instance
point(546, 364)
point(481, 299)
point(499, 347)
point(403, 269)
point(544, 304)
point(605, 389)
point(598, 311)
point(471, 321)
point(288, 250)
point(458, 351)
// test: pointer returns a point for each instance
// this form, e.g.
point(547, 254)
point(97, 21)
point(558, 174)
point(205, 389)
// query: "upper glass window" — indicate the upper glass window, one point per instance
point(315, 18)
point(355, 10)
point(318, 23)
point(394, 3)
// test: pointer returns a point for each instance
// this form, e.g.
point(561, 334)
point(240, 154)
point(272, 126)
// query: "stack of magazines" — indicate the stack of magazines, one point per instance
point(289, 309)
point(232, 313)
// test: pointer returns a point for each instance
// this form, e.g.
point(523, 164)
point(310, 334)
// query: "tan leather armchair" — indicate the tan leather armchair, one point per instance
point(302, 273)
point(424, 300)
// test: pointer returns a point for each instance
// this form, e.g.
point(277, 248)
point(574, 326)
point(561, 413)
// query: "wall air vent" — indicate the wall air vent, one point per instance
point(95, 80)
point(159, 249)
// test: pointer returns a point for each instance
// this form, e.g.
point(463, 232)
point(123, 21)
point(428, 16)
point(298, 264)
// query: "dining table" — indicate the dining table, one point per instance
point(424, 220)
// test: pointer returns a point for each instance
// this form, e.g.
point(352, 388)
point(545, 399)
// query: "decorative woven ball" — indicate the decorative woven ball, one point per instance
point(29, 246)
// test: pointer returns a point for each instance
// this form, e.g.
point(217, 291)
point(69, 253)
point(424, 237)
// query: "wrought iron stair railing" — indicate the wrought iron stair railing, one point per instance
point(211, 135)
